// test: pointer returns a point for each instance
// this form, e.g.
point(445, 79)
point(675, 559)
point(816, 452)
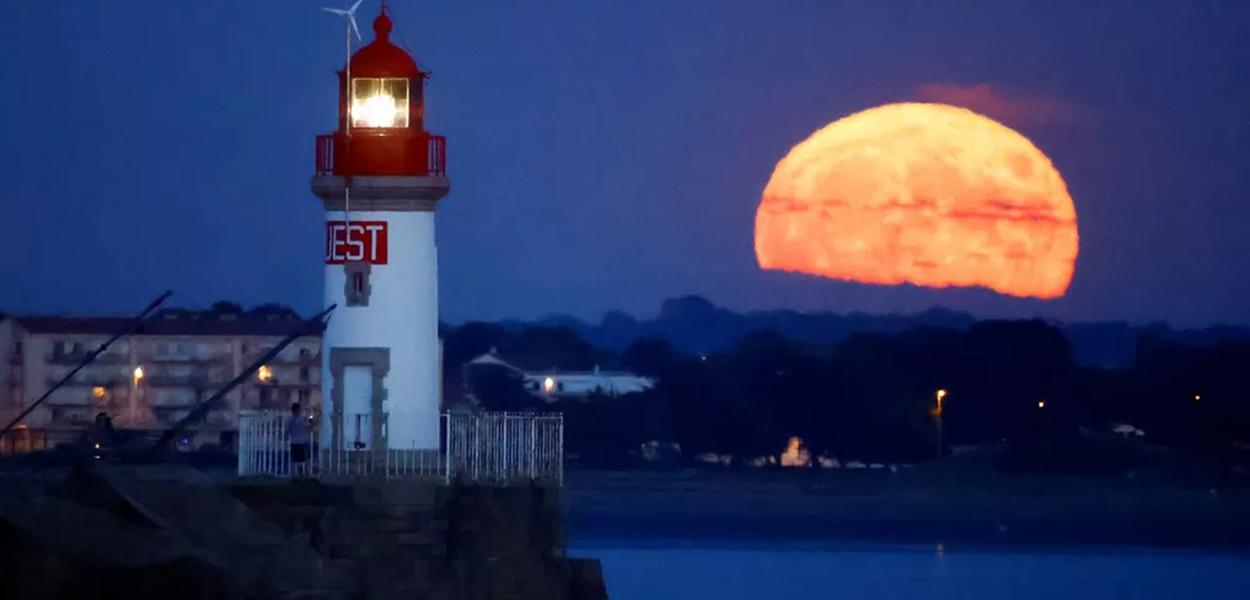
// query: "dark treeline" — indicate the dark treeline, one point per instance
point(871, 396)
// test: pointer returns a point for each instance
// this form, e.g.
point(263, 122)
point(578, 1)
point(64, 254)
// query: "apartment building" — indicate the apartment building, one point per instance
point(152, 379)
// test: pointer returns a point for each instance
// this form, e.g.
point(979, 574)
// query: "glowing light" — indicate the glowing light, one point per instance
point(1041, 404)
point(927, 194)
point(375, 111)
point(1197, 397)
point(379, 102)
point(264, 373)
point(549, 385)
point(98, 392)
point(796, 455)
point(138, 374)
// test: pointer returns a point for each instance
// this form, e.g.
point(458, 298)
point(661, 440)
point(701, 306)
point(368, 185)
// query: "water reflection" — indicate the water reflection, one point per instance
point(684, 570)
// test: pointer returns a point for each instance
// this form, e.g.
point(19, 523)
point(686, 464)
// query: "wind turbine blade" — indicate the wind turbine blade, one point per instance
point(354, 27)
point(355, 6)
point(337, 11)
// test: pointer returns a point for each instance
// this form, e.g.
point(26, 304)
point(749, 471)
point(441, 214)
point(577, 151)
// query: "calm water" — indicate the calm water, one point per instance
point(690, 570)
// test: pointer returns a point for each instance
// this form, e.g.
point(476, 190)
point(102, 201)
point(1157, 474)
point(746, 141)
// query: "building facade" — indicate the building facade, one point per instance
point(551, 383)
point(152, 379)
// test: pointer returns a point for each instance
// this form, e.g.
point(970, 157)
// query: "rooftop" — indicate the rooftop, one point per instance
point(541, 364)
point(222, 320)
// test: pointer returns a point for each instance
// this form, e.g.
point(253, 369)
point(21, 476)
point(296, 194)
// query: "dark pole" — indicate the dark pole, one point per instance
point(309, 326)
point(134, 326)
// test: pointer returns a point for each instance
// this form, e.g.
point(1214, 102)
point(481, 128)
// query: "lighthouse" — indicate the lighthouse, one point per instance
point(380, 176)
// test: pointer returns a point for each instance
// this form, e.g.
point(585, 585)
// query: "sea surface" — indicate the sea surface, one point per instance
point(722, 570)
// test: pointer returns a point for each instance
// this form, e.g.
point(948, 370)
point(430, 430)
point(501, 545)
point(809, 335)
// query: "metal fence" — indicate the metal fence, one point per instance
point(504, 447)
point(481, 448)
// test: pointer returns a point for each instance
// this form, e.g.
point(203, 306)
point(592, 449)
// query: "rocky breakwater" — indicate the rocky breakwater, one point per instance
point(170, 531)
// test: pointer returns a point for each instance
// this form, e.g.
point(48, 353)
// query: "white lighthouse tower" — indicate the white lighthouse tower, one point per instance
point(380, 177)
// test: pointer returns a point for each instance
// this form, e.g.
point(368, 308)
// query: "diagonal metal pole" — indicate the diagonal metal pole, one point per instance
point(134, 326)
point(308, 327)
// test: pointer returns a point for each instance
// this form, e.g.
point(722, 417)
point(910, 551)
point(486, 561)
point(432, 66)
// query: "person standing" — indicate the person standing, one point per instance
point(297, 429)
point(100, 435)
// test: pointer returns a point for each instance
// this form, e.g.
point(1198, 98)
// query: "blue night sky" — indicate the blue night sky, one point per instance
point(607, 154)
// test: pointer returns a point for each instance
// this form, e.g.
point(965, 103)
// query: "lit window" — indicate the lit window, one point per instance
point(98, 392)
point(264, 373)
point(379, 102)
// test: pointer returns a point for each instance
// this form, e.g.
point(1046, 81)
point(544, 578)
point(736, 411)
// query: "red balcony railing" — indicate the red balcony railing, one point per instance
point(325, 154)
point(330, 161)
point(438, 155)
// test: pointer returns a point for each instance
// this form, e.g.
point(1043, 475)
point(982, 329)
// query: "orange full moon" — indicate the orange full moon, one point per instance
point(927, 194)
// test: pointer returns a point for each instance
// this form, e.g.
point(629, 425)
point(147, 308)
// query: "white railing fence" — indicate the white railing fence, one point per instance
point(504, 447)
point(480, 448)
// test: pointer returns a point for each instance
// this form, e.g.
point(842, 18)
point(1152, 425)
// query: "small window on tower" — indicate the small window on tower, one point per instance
point(379, 102)
point(356, 289)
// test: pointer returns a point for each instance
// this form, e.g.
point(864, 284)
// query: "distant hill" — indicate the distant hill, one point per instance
point(694, 325)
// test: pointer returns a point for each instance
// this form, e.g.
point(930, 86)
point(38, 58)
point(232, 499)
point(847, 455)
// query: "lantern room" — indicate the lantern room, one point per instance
point(381, 129)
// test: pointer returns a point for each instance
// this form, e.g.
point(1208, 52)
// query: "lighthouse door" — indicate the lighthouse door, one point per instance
point(357, 407)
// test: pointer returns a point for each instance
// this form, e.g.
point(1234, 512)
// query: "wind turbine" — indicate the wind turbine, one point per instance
point(350, 13)
point(351, 28)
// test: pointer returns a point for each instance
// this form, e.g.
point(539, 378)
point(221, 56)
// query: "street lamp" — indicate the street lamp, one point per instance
point(135, 377)
point(940, 395)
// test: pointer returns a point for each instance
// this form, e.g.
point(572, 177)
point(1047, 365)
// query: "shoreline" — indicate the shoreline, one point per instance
point(664, 532)
point(924, 509)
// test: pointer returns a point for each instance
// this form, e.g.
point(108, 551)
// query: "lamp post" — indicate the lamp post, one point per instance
point(136, 376)
point(940, 395)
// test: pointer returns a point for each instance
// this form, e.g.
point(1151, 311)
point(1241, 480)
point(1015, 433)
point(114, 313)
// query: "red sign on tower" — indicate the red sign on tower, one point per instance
point(356, 241)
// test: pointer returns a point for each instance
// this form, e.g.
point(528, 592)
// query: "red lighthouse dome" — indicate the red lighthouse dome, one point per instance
point(381, 128)
point(381, 58)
